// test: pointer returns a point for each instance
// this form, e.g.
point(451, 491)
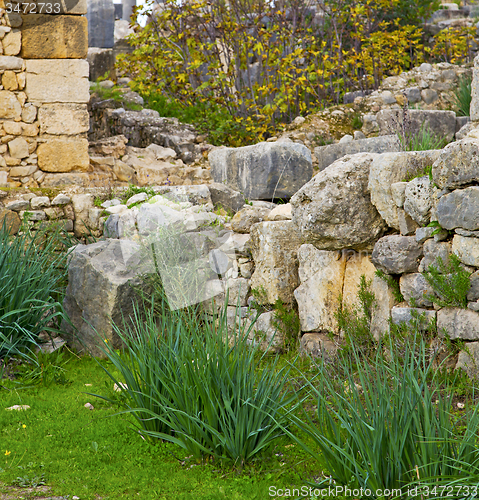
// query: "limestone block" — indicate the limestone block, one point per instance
point(385, 300)
point(274, 247)
point(416, 290)
point(357, 265)
point(18, 148)
point(468, 360)
point(99, 291)
point(458, 323)
point(466, 249)
point(318, 345)
point(330, 153)
point(14, 20)
point(63, 155)
point(227, 198)
point(474, 109)
point(63, 119)
point(9, 80)
point(396, 254)
point(12, 128)
point(390, 168)
point(319, 293)
point(123, 172)
point(418, 199)
point(57, 80)
point(54, 37)
point(12, 43)
point(424, 317)
point(10, 63)
point(22, 171)
point(9, 106)
point(244, 219)
point(334, 210)
point(459, 209)
point(458, 164)
point(29, 113)
point(433, 251)
point(264, 171)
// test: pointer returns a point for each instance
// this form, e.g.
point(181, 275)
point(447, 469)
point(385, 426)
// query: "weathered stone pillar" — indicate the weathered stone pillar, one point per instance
point(43, 104)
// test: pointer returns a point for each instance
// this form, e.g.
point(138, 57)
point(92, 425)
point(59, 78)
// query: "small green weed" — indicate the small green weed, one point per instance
point(392, 283)
point(426, 171)
point(357, 121)
point(463, 95)
point(355, 323)
point(450, 282)
point(286, 320)
point(423, 139)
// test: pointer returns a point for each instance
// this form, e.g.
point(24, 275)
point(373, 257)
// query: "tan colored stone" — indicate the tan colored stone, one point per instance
point(9, 106)
point(274, 247)
point(30, 129)
point(12, 162)
point(385, 301)
point(10, 220)
point(357, 265)
point(66, 179)
point(32, 145)
point(22, 99)
point(12, 43)
point(123, 172)
point(22, 171)
point(18, 148)
point(63, 155)
point(21, 80)
point(64, 119)
point(54, 37)
point(9, 80)
point(57, 80)
point(29, 113)
point(322, 276)
point(13, 128)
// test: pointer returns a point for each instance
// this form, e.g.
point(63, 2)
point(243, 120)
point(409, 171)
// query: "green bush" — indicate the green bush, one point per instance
point(189, 384)
point(423, 139)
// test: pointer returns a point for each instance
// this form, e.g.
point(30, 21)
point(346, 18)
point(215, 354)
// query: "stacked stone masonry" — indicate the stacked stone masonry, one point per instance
point(44, 94)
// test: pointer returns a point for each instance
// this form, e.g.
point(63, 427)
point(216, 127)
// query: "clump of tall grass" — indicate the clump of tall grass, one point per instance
point(188, 382)
point(31, 272)
point(463, 96)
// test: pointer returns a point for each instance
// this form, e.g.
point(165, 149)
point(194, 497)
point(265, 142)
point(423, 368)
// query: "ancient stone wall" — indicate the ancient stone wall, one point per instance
point(44, 94)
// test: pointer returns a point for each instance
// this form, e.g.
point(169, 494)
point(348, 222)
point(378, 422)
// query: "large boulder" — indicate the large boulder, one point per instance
point(330, 153)
point(334, 210)
point(457, 165)
point(263, 171)
point(390, 168)
point(100, 292)
point(274, 247)
point(318, 296)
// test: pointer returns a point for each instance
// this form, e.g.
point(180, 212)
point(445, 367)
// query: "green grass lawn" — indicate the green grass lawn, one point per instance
point(96, 454)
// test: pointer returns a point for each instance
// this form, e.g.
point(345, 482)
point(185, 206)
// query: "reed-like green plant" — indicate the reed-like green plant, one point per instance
point(387, 425)
point(31, 269)
point(463, 95)
point(191, 384)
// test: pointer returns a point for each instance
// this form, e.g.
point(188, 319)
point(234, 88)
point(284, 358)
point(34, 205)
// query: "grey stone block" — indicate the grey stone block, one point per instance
point(330, 153)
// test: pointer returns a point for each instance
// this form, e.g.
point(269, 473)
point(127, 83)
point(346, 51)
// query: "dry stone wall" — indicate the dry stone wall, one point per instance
point(44, 94)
